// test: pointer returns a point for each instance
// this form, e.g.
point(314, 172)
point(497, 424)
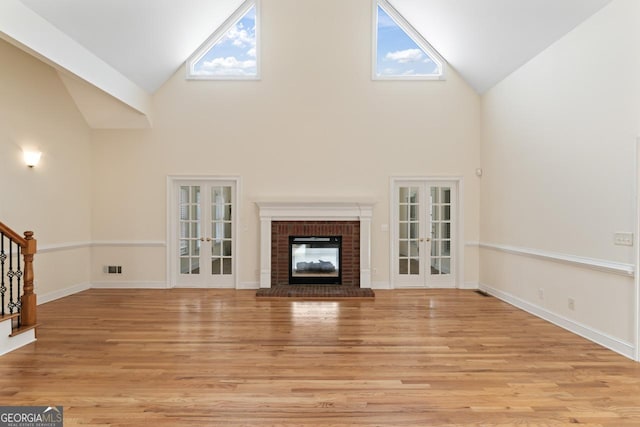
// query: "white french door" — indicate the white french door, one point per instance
point(204, 228)
point(424, 236)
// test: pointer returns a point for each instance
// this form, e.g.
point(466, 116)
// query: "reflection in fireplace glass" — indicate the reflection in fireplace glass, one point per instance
point(315, 258)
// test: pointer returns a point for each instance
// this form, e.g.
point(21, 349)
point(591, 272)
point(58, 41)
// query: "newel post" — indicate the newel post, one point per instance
point(28, 309)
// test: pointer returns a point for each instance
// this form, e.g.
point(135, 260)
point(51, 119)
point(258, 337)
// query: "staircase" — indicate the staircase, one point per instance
point(17, 299)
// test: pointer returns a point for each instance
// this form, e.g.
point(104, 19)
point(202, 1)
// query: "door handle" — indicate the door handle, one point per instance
point(208, 239)
point(428, 239)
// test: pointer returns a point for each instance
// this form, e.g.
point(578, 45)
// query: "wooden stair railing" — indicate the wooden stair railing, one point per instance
point(25, 304)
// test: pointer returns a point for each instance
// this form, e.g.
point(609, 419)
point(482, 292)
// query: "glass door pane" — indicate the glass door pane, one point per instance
point(409, 231)
point(189, 224)
point(221, 231)
point(440, 219)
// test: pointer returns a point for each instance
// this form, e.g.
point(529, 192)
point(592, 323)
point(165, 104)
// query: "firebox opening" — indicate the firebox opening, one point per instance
point(315, 260)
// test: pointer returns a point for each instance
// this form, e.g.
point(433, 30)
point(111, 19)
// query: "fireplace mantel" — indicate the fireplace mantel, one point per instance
point(315, 211)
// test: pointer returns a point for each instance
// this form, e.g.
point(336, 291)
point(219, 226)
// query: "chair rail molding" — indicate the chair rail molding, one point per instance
point(66, 246)
point(606, 266)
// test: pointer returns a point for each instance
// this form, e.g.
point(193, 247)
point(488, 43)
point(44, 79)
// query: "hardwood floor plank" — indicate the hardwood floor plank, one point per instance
point(202, 357)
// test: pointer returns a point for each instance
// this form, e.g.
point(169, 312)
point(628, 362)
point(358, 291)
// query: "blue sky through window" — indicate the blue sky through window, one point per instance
point(397, 54)
point(234, 55)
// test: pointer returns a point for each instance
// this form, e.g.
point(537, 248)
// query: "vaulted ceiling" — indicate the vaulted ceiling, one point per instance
point(146, 41)
point(486, 40)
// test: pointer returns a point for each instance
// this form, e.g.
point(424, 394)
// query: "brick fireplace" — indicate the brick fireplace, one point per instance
point(279, 220)
point(348, 230)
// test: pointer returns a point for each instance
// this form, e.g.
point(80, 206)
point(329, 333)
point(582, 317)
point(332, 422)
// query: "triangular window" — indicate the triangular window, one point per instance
point(232, 51)
point(400, 51)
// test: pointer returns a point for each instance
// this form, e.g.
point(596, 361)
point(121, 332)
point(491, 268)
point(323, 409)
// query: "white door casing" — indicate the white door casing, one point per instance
point(426, 235)
point(202, 231)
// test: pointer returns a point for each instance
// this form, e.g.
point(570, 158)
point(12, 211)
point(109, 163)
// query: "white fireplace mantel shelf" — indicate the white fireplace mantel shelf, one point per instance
point(315, 211)
point(307, 211)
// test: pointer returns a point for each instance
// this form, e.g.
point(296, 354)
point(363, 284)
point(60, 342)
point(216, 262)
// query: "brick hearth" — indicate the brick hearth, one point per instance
point(329, 292)
point(349, 230)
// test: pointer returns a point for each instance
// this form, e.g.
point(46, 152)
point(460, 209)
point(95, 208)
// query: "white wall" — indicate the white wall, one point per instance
point(54, 198)
point(314, 127)
point(558, 152)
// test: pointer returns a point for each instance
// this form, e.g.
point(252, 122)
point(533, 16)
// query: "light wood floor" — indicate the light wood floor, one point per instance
point(224, 358)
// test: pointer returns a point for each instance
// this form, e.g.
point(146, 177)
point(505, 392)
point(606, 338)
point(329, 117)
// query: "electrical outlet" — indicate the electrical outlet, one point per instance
point(541, 293)
point(623, 239)
point(572, 304)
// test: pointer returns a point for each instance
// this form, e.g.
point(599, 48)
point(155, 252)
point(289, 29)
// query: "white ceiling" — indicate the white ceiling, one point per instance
point(486, 40)
point(148, 40)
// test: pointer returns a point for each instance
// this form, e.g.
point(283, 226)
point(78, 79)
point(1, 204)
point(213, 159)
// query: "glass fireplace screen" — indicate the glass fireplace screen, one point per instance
point(315, 258)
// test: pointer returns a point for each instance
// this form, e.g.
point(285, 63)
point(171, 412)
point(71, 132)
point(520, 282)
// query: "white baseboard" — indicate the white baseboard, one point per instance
point(204, 286)
point(470, 285)
point(387, 285)
point(381, 285)
point(52, 296)
point(8, 343)
point(248, 285)
point(129, 285)
point(61, 293)
point(624, 348)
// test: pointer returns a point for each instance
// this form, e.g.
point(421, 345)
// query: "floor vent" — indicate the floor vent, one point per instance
point(483, 293)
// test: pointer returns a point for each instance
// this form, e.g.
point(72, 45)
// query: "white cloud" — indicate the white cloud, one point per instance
point(227, 66)
point(405, 56)
point(234, 54)
point(240, 37)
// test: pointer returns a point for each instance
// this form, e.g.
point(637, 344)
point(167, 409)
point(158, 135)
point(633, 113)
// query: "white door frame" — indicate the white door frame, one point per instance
point(172, 222)
point(459, 226)
point(636, 245)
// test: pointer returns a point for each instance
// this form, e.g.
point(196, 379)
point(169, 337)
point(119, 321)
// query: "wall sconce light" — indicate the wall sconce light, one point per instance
point(32, 158)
